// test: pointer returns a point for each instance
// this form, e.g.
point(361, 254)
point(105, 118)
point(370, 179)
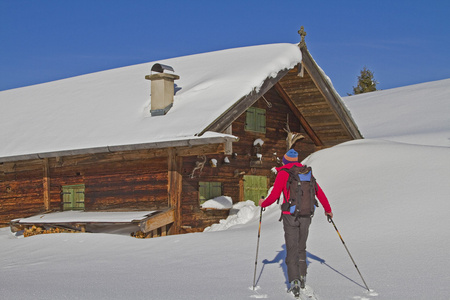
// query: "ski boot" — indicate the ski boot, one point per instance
point(295, 288)
point(302, 282)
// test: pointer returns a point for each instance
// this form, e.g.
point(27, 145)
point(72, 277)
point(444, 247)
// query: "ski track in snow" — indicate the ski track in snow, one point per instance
point(368, 295)
point(257, 295)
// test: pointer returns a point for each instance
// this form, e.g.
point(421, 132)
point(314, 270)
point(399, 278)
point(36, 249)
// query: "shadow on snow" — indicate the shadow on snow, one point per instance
point(281, 255)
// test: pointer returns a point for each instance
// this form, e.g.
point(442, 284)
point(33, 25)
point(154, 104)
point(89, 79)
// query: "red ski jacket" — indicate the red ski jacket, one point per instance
point(280, 187)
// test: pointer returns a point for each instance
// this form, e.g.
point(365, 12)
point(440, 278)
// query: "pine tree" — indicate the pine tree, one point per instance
point(366, 82)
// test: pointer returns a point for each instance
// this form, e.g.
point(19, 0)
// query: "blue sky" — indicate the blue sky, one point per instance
point(402, 42)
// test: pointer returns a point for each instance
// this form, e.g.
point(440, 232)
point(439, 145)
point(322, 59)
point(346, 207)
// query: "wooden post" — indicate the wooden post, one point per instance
point(241, 189)
point(46, 185)
point(174, 187)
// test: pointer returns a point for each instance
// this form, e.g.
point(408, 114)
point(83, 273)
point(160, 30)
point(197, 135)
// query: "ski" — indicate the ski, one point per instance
point(301, 291)
point(303, 294)
point(297, 295)
point(295, 288)
point(295, 291)
point(307, 293)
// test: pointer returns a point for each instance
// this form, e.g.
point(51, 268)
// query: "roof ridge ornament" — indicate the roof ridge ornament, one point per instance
point(302, 33)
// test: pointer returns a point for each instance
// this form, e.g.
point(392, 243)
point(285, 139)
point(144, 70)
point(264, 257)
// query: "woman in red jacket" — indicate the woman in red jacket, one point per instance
point(296, 228)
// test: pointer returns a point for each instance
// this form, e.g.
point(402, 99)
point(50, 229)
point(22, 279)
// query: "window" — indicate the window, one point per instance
point(209, 190)
point(73, 197)
point(256, 120)
point(255, 187)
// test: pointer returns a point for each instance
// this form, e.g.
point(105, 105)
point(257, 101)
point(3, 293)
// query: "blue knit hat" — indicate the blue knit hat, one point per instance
point(290, 157)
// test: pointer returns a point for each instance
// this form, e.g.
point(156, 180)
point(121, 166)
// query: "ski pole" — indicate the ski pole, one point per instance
point(257, 247)
point(330, 220)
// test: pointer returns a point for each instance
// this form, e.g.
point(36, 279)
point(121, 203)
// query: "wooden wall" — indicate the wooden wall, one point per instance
point(137, 180)
point(114, 185)
point(194, 218)
point(326, 117)
point(113, 182)
point(21, 190)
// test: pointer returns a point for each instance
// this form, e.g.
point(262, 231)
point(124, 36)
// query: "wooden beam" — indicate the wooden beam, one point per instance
point(241, 189)
point(298, 114)
point(161, 219)
point(46, 185)
point(164, 230)
point(201, 150)
point(98, 158)
point(174, 186)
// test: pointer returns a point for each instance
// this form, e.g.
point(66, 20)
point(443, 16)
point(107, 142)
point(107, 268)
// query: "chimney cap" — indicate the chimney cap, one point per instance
point(160, 68)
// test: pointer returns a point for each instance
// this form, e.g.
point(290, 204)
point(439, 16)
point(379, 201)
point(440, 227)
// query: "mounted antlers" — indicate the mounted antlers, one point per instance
point(292, 137)
point(198, 166)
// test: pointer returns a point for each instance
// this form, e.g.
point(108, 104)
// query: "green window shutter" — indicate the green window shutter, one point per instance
point(78, 203)
point(255, 120)
point(216, 189)
point(67, 196)
point(255, 187)
point(73, 197)
point(250, 119)
point(209, 190)
point(203, 191)
point(260, 120)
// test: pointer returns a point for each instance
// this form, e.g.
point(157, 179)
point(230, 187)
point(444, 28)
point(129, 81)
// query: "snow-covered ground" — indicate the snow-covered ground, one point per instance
point(390, 199)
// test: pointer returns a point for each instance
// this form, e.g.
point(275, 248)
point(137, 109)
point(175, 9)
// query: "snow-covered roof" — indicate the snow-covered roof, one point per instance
point(110, 110)
point(87, 217)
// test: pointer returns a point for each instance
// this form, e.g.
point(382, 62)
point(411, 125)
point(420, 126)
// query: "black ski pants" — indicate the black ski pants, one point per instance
point(295, 235)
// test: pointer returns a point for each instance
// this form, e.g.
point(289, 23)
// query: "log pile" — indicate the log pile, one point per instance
point(140, 235)
point(35, 230)
point(161, 231)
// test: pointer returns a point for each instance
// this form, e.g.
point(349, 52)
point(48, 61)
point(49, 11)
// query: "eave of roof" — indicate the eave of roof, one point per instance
point(206, 139)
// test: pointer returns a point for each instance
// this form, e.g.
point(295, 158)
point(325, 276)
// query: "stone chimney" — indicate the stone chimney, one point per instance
point(162, 89)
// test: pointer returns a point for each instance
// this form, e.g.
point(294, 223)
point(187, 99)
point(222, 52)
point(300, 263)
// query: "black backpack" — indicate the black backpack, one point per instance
point(300, 182)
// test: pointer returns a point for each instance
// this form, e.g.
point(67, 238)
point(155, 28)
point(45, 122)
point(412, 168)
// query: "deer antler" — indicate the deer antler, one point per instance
point(199, 166)
point(292, 137)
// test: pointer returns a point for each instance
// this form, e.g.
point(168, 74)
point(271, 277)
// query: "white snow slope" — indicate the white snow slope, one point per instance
point(416, 114)
point(390, 202)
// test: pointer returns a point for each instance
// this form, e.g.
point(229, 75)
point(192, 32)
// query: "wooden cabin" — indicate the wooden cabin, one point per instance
point(101, 143)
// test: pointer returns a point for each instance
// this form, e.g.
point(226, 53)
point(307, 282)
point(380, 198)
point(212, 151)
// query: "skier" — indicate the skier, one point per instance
point(296, 226)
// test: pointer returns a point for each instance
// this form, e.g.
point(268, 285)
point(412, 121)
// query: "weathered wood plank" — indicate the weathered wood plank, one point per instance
point(174, 187)
point(100, 158)
point(46, 184)
point(201, 150)
point(161, 219)
point(34, 165)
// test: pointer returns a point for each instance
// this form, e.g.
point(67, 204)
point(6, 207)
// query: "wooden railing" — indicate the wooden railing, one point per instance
point(159, 224)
